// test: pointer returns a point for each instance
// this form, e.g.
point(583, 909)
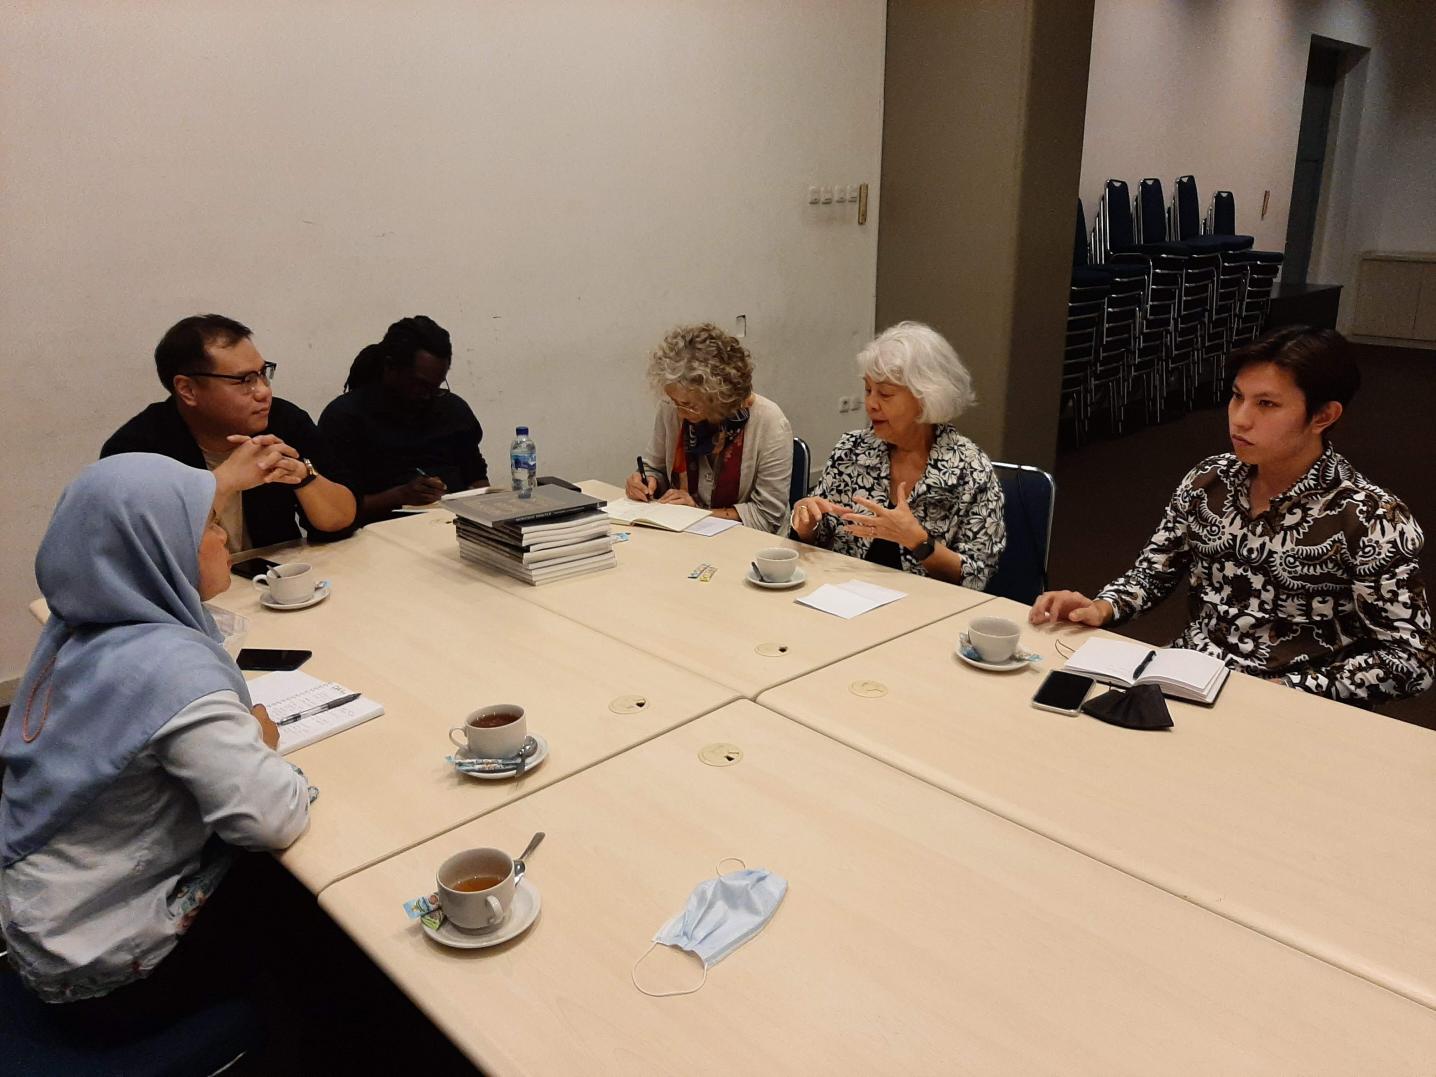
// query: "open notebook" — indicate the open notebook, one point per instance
point(291, 692)
point(652, 514)
point(1179, 673)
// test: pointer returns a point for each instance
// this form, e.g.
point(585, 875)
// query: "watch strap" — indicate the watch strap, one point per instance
point(308, 466)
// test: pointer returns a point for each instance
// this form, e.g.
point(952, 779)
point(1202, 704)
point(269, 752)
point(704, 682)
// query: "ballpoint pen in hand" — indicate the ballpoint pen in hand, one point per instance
point(312, 711)
point(643, 474)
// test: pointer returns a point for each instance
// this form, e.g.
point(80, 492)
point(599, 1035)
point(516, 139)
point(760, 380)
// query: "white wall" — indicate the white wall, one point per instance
point(1214, 88)
point(556, 183)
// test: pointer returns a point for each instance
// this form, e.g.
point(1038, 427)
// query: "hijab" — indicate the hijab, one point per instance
point(128, 645)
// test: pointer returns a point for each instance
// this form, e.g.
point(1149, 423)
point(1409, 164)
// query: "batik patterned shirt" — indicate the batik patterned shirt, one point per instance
point(1322, 590)
point(958, 500)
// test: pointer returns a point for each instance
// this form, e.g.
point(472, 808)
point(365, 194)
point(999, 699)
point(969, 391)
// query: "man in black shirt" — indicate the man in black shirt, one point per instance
point(402, 435)
point(268, 459)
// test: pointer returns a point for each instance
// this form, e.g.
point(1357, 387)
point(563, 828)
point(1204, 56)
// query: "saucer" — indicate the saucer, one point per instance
point(522, 913)
point(798, 577)
point(540, 754)
point(320, 594)
point(993, 667)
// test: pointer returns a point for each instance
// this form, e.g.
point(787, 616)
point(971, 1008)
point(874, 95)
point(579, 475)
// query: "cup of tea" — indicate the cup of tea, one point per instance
point(995, 638)
point(494, 732)
point(288, 584)
point(777, 563)
point(476, 888)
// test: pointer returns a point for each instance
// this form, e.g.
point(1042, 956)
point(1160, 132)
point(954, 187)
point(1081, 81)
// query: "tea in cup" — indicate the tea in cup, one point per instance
point(476, 888)
point(995, 638)
point(777, 563)
point(494, 732)
point(287, 585)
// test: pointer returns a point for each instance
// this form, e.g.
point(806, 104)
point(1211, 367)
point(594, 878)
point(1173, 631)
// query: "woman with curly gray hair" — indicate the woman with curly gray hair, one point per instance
point(910, 492)
point(716, 444)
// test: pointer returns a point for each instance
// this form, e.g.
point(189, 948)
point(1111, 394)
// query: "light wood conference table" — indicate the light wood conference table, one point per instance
point(726, 629)
point(432, 643)
point(919, 934)
point(1305, 819)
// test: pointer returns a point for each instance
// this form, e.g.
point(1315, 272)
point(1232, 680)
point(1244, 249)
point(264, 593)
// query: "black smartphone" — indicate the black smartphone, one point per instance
point(254, 566)
point(1062, 692)
point(262, 658)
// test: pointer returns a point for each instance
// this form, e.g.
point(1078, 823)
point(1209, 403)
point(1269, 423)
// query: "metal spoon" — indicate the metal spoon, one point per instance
point(759, 573)
point(533, 844)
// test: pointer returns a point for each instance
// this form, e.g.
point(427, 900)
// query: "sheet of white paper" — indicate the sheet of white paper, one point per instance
point(848, 600)
point(830, 598)
point(880, 596)
point(713, 525)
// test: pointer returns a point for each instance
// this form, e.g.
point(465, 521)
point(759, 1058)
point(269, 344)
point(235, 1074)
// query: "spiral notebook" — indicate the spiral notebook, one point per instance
point(1178, 672)
point(289, 693)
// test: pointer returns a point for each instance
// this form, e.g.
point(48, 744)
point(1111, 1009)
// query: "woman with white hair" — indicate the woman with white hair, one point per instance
point(716, 444)
point(910, 492)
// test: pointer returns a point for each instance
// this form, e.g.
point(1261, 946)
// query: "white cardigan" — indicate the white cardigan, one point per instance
point(767, 465)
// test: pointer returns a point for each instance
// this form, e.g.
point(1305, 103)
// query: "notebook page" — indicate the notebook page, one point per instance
point(1109, 659)
point(1179, 666)
point(669, 517)
point(289, 692)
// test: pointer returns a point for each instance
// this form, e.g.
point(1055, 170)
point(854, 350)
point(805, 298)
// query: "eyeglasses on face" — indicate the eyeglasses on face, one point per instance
point(248, 382)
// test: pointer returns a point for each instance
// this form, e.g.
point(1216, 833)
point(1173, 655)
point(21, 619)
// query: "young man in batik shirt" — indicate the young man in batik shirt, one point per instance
point(1300, 569)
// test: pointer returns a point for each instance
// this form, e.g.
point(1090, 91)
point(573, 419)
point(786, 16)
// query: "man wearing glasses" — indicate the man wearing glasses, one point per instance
point(268, 459)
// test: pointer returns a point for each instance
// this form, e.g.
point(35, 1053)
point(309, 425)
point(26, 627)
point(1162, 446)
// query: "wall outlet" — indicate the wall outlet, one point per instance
point(845, 405)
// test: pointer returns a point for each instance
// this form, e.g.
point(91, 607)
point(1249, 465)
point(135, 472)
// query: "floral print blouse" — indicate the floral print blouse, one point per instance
point(958, 499)
point(1323, 590)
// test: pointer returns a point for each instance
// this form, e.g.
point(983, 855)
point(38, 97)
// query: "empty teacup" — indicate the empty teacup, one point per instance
point(994, 637)
point(287, 584)
point(494, 732)
point(777, 563)
point(476, 888)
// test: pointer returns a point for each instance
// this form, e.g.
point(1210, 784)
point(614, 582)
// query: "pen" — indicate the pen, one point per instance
point(312, 711)
point(1143, 665)
point(643, 474)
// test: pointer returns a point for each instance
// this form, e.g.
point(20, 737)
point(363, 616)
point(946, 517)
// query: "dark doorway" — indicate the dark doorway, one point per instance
point(1323, 68)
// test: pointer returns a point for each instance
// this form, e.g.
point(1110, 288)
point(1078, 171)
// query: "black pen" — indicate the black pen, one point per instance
point(643, 474)
point(312, 711)
point(1143, 665)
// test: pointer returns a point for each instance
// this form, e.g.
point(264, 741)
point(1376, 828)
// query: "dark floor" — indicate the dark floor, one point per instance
point(1111, 491)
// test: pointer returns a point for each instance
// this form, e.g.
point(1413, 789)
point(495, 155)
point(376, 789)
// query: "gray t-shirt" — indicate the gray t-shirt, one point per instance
point(109, 895)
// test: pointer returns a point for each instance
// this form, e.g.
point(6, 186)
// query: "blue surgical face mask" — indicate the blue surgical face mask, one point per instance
point(721, 914)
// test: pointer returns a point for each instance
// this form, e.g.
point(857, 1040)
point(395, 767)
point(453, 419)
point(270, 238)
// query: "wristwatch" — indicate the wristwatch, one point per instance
point(924, 549)
point(309, 467)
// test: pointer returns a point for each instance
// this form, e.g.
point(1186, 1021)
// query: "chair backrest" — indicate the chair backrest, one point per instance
point(1224, 214)
point(1080, 254)
point(1189, 212)
point(1151, 212)
point(1117, 208)
point(1029, 496)
point(802, 462)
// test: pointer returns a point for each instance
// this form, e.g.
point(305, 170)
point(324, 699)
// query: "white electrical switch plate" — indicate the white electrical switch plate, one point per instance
point(814, 197)
point(852, 192)
point(827, 195)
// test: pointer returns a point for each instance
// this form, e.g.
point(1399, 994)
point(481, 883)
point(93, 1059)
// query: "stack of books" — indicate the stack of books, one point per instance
point(555, 534)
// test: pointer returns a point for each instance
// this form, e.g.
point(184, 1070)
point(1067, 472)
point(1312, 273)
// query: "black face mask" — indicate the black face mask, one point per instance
point(1139, 707)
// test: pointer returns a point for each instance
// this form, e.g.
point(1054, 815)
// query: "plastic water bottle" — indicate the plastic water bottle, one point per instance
point(523, 462)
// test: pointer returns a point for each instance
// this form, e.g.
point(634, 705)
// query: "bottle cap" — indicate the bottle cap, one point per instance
point(521, 430)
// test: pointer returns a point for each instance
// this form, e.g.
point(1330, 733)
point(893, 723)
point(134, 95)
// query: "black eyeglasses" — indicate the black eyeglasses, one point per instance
point(248, 382)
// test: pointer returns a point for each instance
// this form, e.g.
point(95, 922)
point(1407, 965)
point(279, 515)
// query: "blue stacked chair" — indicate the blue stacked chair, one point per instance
point(1186, 222)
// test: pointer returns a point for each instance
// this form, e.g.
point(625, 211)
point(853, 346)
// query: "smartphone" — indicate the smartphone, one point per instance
point(255, 566)
point(261, 658)
point(1062, 692)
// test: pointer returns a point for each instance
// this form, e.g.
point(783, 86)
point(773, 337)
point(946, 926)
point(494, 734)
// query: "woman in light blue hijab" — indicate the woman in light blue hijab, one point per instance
point(134, 765)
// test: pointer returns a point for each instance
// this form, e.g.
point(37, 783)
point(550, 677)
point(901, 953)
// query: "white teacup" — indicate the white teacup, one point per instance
point(777, 563)
point(287, 584)
point(476, 888)
point(994, 637)
point(494, 732)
